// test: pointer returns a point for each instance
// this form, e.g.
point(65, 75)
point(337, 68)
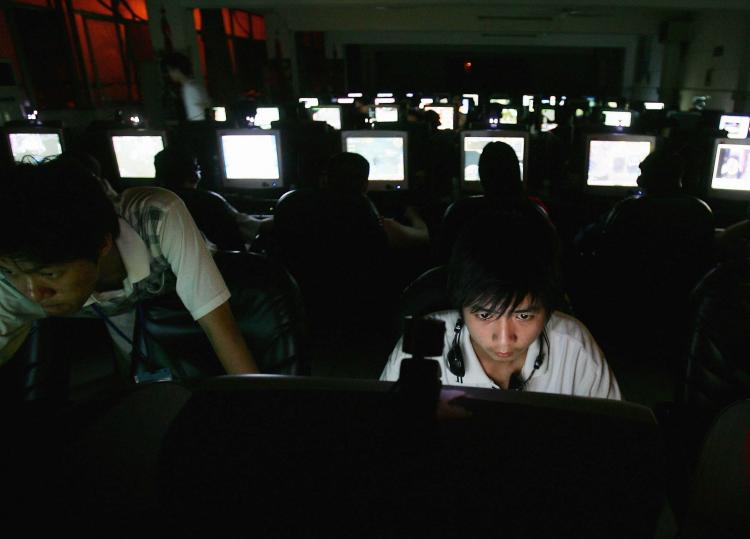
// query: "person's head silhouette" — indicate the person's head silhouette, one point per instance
point(499, 172)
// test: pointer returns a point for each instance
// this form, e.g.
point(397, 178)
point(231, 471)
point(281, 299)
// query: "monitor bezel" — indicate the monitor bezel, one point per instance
point(129, 133)
point(476, 186)
point(382, 185)
point(244, 184)
point(617, 190)
point(8, 131)
point(339, 108)
point(725, 194)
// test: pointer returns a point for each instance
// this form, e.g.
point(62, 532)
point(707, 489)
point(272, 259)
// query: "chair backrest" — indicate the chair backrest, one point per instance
point(335, 248)
point(668, 238)
point(426, 294)
point(718, 369)
point(458, 214)
point(214, 218)
point(266, 304)
point(652, 251)
point(721, 486)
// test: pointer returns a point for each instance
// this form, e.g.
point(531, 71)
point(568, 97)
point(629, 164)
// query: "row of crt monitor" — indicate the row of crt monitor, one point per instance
point(252, 158)
point(736, 125)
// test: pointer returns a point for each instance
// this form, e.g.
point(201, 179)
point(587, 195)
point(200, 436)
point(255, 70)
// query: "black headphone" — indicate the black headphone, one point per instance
point(457, 366)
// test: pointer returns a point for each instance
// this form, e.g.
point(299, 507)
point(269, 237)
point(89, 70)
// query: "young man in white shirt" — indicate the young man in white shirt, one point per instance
point(194, 96)
point(68, 251)
point(505, 332)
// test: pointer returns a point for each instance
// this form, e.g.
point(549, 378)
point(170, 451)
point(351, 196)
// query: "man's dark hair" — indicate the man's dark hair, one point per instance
point(499, 172)
point(178, 61)
point(661, 172)
point(503, 256)
point(348, 173)
point(174, 167)
point(53, 213)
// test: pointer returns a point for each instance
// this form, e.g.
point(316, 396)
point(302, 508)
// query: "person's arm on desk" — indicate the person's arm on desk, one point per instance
point(227, 341)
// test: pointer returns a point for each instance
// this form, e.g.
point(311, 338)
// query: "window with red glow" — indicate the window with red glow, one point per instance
point(259, 27)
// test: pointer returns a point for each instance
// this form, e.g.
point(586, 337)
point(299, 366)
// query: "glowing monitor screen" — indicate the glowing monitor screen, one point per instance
point(220, 114)
point(250, 157)
point(385, 155)
point(735, 126)
point(614, 118)
point(446, 116)
point(265, 115)
point(473, 147)
point(527, 100)
point(34, 147)
point(386, 114)
point(464, 108)
point(548, 114)
point(135, 154)
point(473, 97)
point(309, 101)
point(731, 168)
point(509, 116)
point(614, 163)
point(500, 100)
point(423, 102)
point(653, 105)
point(329, 115)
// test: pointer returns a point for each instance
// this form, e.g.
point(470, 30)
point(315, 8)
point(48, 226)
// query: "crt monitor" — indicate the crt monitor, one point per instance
point(250, 158)
point(386, 153)
point(548, 115)
point(134, 152)
point(385, 113)
point(509, 116)
point(309, 101)
point(735, 125)
point(617, 118)
point(613, 160)
point(730, 171)
point(472, 144)
point(265, 115)
point(34, 145)
point(330, 114)
point(446, 115)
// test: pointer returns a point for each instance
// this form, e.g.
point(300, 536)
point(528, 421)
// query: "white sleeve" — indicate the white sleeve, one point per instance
point(596, 379)
point(200, 285)
point(392, 369)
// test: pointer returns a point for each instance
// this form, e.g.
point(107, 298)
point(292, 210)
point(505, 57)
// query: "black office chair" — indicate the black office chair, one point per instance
point(720, 492)
point(335, 248)
point(266, 304)
point(717, 370)
point(214, 218)
point(652, 252)
point(462, 211)
point(58, 353)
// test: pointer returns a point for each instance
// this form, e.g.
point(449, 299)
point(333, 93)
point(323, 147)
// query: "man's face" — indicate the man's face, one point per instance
point(60, 289)
point(505, 338)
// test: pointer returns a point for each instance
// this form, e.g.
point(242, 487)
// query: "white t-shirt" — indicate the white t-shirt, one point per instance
point(195, 99)
point(573, 365)
point(162, 251)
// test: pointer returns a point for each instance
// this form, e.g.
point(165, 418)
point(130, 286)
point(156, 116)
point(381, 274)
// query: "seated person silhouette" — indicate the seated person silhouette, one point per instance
point(500, 177)
point(348, 175)
point(85, 256)
point(661, 173)
point(504, 331)
point(222, 224)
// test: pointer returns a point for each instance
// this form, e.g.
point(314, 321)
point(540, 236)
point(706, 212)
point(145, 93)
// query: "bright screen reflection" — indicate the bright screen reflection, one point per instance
point(473, 147)
point(135, 155)
point(265, 115)
point(385, 155)
point(615, 162)
point(34, 147)
point(731, 167)
point(446, 116)
point(735, 126)
point(250, 157)
point(331, 116)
